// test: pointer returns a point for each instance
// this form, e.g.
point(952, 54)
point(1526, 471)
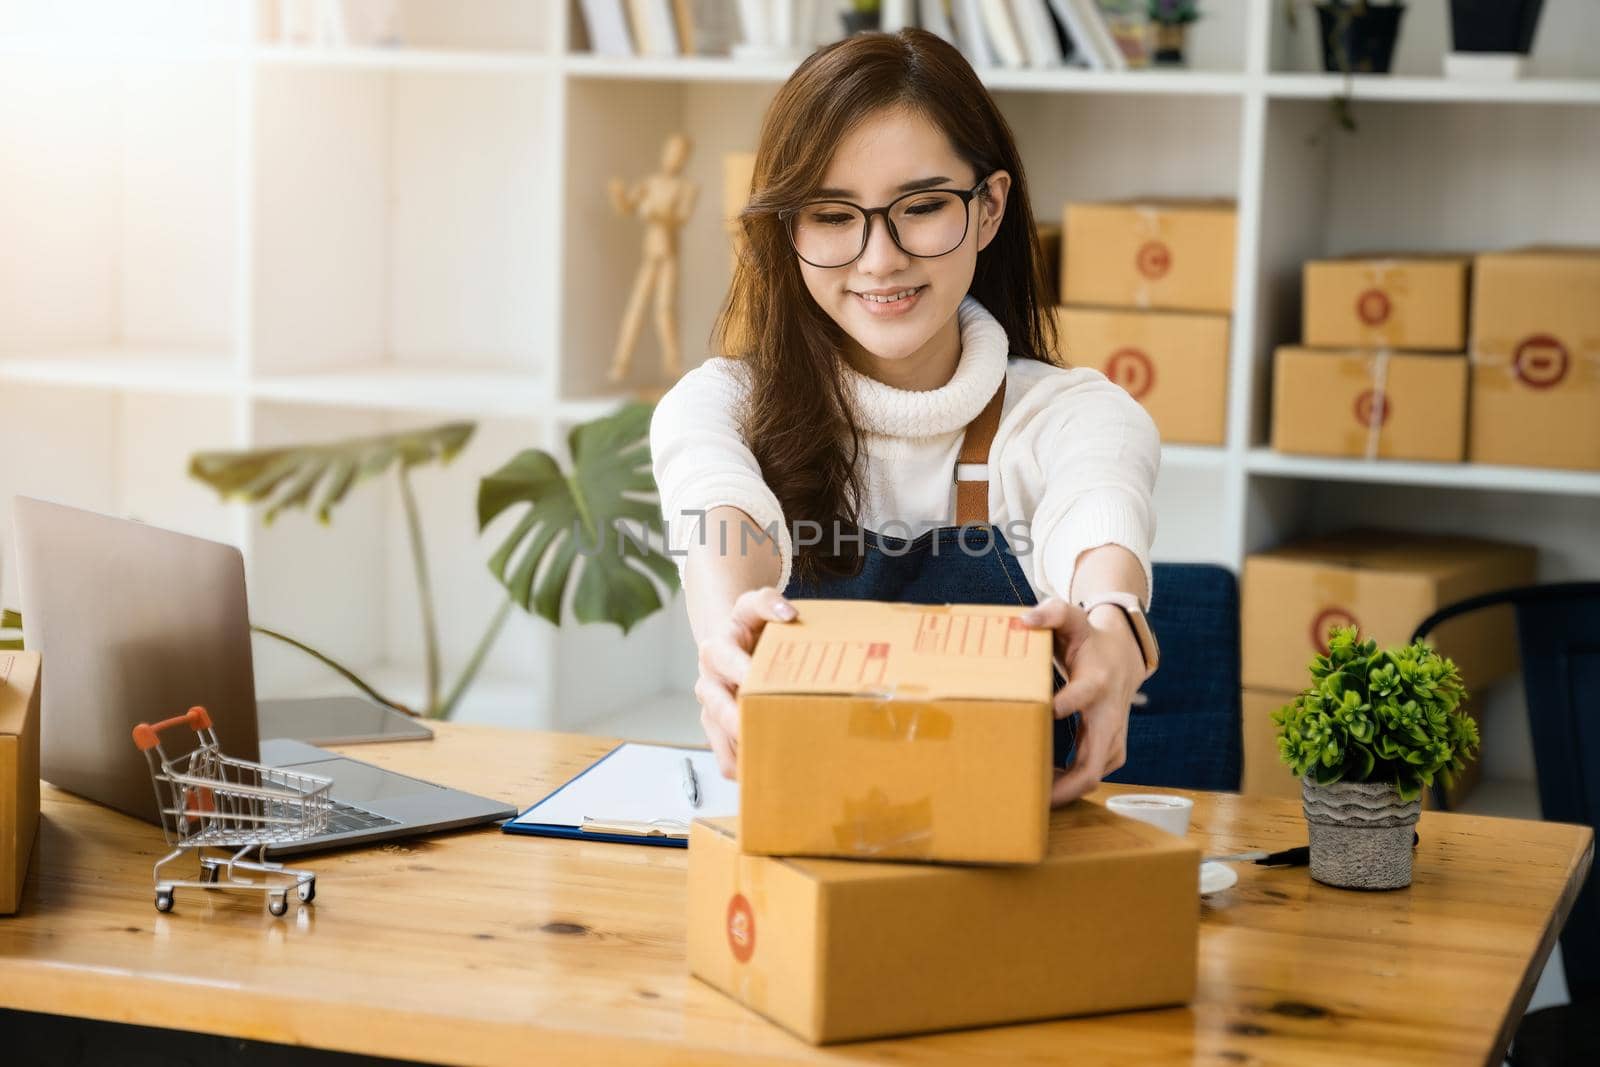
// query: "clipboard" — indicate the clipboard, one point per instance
point(632, 795)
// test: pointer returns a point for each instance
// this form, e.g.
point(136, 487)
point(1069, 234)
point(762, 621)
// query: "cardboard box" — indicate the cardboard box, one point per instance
point(1536, 359)
point(836, 950)
point(1174, 363)
point(1411, 302)
point(1175, 254)
point(1386, 583)
point(1396, 405)
point(19, 772)
point(897, 731)
point(1266, 775)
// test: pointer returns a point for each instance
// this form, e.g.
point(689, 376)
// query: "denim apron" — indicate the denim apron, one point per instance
point(967, 563)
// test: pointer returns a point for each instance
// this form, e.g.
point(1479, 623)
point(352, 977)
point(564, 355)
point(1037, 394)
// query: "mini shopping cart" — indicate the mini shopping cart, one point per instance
point(231, 807)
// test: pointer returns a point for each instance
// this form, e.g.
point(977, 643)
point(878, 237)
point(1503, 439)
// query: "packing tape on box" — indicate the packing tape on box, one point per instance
point(1149, 229)
point(743, 906)
point(1537, 361)
point(891, 719)
point(1389, 277)
point(872, 826)
point(1371, 410)
point(1333, 591)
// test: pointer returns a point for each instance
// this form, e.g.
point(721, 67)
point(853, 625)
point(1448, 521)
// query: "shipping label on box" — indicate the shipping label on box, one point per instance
point(838, 950)
point(1174, 363)
point(1536, 359)
point(897, 731)
point(19, 772)
point(1378, 405)
point(1411, 302)
point(1174, 254)
point(1385, 583)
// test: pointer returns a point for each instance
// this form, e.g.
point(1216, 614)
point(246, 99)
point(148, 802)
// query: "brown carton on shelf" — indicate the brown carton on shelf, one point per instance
point(1174, 363)
point(1411, 302)
point(1536, 359)
point(1175, 254)
point(836, 950)
point(1385, 582)
point(1266, 775)
point(1383, 405)
point(897, 731)
point(19, 772)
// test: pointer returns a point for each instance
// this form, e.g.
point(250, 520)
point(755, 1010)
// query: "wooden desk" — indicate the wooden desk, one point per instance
point(483, 947)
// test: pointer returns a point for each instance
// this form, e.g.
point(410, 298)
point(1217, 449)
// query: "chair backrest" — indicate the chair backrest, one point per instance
point(1558, 634)
point(1188, 734)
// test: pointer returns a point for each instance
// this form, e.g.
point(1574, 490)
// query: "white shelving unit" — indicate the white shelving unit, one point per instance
point(216, 240)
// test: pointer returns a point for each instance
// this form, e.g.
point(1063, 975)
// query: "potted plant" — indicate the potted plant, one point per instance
point(859, 16)
point(1171, 19)
point(1490, 38)
point(1371, 731)
point(1358, 36)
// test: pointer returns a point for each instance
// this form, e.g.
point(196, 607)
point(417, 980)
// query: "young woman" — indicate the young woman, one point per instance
point(891, 425)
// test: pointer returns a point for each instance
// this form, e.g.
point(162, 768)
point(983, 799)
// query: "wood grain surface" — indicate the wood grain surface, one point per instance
point(483, 947)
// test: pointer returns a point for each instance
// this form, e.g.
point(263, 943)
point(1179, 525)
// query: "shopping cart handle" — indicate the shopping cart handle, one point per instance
point(144, 735)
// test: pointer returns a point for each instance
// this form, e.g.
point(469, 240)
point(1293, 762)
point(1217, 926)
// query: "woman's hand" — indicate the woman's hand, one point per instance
point(1100, 658)
point(724, 662)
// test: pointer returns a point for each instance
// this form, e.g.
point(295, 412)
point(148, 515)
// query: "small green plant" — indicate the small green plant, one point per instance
point(1372, 715)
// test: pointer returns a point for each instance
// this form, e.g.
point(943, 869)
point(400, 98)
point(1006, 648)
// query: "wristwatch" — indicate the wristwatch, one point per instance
point(1133, 611)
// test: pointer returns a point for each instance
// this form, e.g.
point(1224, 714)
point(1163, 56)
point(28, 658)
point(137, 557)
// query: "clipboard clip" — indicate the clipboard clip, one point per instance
point(635, 827)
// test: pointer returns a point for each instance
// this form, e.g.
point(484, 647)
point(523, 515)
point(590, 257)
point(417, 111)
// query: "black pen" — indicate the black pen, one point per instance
point(691, 783)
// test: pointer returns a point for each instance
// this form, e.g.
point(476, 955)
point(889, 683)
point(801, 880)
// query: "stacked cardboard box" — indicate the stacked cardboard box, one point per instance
point(1146, 288)
point(19, 771)
point(1385, 583)
point(873, 733)
point(1368, 382)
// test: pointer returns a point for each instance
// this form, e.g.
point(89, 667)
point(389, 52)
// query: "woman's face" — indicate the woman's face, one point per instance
point(896, 306)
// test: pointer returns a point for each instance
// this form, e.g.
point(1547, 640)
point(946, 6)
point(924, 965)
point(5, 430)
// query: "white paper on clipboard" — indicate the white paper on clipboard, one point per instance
point(638, 783)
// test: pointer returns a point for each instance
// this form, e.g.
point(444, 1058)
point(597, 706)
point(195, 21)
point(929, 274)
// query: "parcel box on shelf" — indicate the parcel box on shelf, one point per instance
point(1266, 775)
point(1174, 363)
point(19, 771)
point(1536, 359)
point(1413, 302)
point(836, 950)
point(1385, 582)
point(1382, 405)
point(1174, 254)
point(897, 731)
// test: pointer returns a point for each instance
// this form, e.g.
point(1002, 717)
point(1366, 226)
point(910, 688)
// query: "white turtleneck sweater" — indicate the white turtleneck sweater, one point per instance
point(1072, 466)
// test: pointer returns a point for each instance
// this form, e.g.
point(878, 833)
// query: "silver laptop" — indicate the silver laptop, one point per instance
point(138, 624)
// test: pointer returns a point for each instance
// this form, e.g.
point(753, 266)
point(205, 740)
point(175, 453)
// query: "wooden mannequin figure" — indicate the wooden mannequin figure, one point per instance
point(664, 201)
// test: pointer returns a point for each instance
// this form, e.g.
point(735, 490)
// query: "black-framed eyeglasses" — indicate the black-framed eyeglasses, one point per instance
point(927, 224)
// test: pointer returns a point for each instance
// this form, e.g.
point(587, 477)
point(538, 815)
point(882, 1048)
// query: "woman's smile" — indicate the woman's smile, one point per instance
point(889, 303)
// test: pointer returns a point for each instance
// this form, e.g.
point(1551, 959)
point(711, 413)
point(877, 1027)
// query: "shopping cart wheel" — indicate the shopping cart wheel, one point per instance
point(277, 903)
point(163, 900)
point(307, 890)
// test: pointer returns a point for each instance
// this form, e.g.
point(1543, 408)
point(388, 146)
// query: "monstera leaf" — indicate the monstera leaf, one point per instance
point(603, 518)
point(289, 477)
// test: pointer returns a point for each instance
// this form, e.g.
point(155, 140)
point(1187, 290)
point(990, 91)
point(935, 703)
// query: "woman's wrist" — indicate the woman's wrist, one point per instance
point(1113, 621)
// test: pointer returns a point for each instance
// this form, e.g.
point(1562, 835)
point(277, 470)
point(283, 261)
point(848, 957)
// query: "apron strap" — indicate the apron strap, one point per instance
point(972, 463)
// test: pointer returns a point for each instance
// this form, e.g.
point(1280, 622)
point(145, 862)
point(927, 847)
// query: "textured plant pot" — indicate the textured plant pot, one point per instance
point(859, 22)
point(1495, 26)
point(1365, 34)
point(1169, 43)
point(1360, 834)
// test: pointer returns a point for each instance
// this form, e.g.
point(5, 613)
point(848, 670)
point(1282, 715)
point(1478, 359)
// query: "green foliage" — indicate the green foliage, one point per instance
point(603, 518)
point(1174, 12)
point(1378, 716)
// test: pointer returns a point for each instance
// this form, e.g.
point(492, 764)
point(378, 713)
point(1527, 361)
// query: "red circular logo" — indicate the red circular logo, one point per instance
point(1154, 259)
point(1373, 307)
point(1373, 407)
point(1131, 369)
point(1328, 619)
point(1541, 361)
point(741, 928)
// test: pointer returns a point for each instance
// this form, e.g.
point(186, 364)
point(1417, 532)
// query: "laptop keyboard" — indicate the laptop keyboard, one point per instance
point(346, 817)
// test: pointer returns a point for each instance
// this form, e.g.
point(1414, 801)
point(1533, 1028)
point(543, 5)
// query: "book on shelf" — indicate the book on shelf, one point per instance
point(608, 28)
point(653, 30)
point(895, 15)
point(705, 27)
point(935, 18)
point(1002, 32)
point(970, 37)
point(1038, 33)
point(1128, 24)
point(1087, 25)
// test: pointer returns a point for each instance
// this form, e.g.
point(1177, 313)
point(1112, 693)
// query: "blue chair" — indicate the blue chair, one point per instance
point(1188, 734)
point(1558, 633)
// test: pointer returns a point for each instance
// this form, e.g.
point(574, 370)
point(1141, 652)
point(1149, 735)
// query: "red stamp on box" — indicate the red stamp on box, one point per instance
point(1329, 619)
point(1154, 259)
point(1373, 307)
point(1372, 408)
point(1131, 369)
point(741, 928)
point(1541, 361)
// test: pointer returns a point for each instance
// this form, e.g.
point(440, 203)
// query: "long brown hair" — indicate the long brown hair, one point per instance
point(798, 418)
